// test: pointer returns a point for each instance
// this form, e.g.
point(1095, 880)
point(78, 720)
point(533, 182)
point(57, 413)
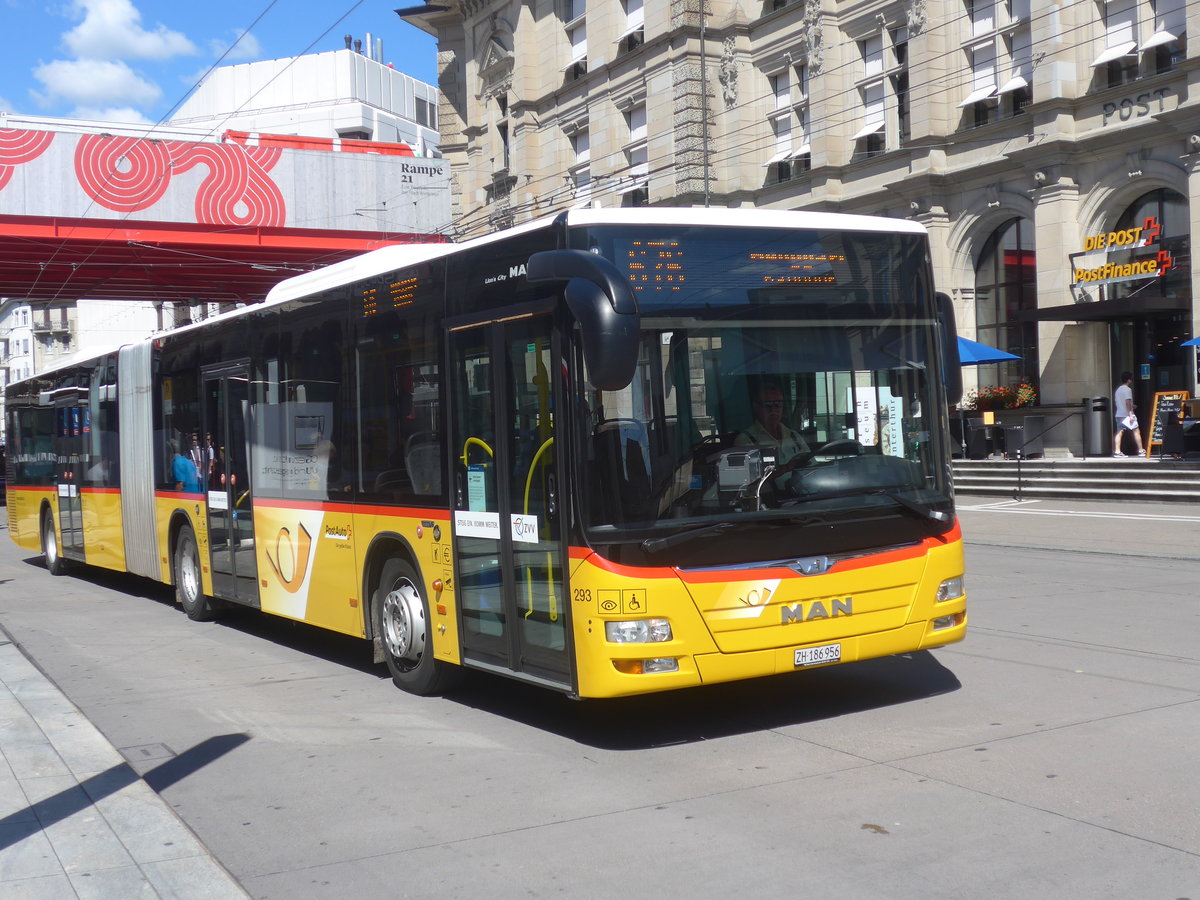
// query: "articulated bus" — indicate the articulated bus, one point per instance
point(543, 453)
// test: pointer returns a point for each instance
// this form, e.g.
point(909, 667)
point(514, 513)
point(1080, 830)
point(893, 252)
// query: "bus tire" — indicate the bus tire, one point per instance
point(403, 625)
point(189, 586)
point(51, 552)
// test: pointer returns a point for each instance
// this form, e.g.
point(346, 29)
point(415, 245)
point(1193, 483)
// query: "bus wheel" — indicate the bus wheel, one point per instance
point(55, 564)
point(189, 589)
point(402, 622)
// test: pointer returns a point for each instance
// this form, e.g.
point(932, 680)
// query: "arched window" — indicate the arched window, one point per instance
point(1161, 209)
point(1005, 285)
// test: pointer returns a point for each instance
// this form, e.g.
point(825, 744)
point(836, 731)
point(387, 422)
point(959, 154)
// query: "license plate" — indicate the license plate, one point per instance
point(815, 656)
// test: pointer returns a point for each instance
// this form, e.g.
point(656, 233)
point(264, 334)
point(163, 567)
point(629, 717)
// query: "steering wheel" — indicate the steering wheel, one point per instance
point(844, 447)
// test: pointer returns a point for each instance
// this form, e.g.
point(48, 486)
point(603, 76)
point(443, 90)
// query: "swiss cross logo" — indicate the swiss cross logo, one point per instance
point(1151, 229)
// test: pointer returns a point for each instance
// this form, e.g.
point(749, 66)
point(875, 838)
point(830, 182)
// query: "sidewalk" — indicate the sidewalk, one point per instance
point(76, 821)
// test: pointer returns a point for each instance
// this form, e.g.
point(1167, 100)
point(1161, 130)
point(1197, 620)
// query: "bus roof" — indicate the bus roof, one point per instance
point(397, 256)
point(388, 259)
point(740, 218)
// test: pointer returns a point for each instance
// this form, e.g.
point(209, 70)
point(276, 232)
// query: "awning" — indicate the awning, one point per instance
point(868, 130)
point(1113, 53)
point(973, 353)
point(1016, 83)
point(1107, 310)
point(637, 184)
point(977, 95)
point(802, 150)
point(779, 157)
point(1158, 39)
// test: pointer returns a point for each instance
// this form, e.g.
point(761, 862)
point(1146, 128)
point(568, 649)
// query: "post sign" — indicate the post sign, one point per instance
point(1093, 267)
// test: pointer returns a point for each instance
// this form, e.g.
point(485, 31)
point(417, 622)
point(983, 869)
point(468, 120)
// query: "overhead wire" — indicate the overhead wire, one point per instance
point(108, 176)
point(845, 111)
point(162, 119)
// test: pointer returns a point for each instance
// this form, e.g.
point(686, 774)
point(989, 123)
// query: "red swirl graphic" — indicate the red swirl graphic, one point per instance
point(238, 190)
point(124, 174)
point(132, 174)
point(18, 145)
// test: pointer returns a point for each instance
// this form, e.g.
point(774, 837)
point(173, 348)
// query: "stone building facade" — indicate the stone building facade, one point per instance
point(1024, 136)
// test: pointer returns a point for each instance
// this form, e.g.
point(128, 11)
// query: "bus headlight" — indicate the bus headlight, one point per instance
point(646, 666)
point(638, 631)
point(950, 589)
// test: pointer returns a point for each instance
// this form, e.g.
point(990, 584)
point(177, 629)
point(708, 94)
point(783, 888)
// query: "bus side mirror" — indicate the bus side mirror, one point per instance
point(951, 364)
point(601, 300)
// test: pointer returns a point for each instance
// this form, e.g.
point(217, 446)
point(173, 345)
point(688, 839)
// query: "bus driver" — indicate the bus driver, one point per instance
point(770, 431)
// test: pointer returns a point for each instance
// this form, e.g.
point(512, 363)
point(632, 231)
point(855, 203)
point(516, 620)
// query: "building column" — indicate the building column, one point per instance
point(1073, 356)
point(1192, 161)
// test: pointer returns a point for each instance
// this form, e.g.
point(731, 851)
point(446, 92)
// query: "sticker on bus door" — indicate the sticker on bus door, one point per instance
point(477, 524)
point(524, 528)
point(477, 487)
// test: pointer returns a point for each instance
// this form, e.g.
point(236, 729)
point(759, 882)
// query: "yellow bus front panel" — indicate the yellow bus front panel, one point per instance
point(726, 625)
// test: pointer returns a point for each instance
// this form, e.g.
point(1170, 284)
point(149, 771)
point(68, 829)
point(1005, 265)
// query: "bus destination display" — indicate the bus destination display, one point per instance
point(666, 265)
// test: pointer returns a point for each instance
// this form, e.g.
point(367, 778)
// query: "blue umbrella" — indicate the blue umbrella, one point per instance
point(1194, 342)
point(972, 353)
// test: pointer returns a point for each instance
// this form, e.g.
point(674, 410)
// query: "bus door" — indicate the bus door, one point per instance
point(69, 470)
point(507, 522)
point(227, 482)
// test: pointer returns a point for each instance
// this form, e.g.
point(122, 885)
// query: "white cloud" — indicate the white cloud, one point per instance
point(6, 106)
point(112, 29)
point(245, 46)
point(95, 83)
point(125, 115)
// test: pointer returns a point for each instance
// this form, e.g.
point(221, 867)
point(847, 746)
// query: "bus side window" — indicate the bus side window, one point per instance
point(399, 399)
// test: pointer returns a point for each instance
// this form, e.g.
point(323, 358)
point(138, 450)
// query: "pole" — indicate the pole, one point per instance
point(704, 99)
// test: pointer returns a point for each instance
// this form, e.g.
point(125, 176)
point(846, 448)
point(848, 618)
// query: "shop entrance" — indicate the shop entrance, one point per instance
point(1149, 348)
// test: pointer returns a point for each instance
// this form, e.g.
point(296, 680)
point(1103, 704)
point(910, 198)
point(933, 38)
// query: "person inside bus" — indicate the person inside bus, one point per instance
point(184, 471)
point(769, 431)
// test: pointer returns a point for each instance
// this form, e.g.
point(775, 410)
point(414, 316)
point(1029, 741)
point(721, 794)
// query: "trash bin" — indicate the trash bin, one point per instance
point(1097, 427)
point(1034, 426)
point(1014, 441)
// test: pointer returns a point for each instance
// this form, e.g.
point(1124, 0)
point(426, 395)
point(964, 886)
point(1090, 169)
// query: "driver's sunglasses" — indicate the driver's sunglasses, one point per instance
point(771, 404)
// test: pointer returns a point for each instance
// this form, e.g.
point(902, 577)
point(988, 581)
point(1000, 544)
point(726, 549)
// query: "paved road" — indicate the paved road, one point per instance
point(1052, 754)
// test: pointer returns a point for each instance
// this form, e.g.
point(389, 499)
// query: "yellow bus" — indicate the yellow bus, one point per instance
point(610, 453)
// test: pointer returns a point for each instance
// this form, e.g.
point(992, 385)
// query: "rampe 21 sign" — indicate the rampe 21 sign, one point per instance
point(1093, 267)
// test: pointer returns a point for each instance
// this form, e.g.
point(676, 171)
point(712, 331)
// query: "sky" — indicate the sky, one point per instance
point(136, 60)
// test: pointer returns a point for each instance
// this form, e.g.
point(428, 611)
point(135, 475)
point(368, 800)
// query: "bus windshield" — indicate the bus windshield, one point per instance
point(783, 376)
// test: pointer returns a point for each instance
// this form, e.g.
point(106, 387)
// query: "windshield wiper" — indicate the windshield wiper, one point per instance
point(656, 545)
point(927, 513)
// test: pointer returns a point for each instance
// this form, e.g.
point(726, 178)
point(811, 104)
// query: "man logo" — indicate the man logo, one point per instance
point(816, 610)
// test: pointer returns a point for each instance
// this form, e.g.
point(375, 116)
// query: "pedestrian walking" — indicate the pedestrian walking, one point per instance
point(1124, 411)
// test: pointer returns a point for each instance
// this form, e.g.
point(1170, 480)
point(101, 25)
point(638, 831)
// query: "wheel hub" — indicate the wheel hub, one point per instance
point(51, 543)
point(404, 623)
point(190, 576)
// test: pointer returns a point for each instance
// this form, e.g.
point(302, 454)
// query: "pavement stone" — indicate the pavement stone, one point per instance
point(76, 821)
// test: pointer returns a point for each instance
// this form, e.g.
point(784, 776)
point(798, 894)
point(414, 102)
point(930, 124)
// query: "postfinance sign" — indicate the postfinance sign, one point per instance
point(1087, 267)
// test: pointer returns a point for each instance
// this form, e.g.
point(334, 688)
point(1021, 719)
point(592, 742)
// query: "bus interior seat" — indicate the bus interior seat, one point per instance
point(423, 459)
point(623, 451)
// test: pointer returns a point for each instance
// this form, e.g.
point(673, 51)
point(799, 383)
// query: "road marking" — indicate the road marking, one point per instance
point(1132, 517)
point(999, 504)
